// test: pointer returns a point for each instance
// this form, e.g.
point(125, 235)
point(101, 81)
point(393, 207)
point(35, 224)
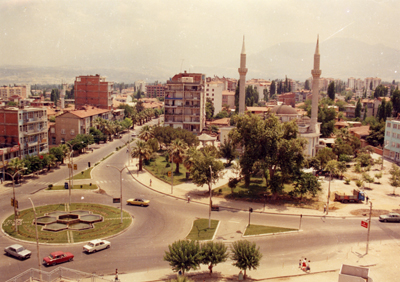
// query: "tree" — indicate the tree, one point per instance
point(306, 183)
point(380, 91)
point(331, 90)
point(146, 133)
point(307, 85)
point(14, 166)
point(327, 118)
point(209, 109)
point(357, 112)
point(378, 176)
point(141, 151)
point(376, 135)
point(246, 255)
point(183, 255)
point(331, 166)
point(341, 168)
point(396, 101)
point(177, 153)
point(57, 153)
point(394, 179)
point(323, 156)
point(139, 106)
point(213, 253)
point(228, 151)
point(272, 88)
point(367, 178)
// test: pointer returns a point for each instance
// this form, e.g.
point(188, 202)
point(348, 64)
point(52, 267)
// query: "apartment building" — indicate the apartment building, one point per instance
point(93, 90)
point(156, 90)
point(26, 128)
point(228, 98)
point(8, 91)
point(392, 139)
point(185, 102)
point(140, 85)
point(287, 99)
point(260, 85)
point(214, 91)
point(71, 123)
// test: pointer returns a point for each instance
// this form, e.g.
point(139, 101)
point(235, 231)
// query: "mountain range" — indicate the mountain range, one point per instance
point(340, 58)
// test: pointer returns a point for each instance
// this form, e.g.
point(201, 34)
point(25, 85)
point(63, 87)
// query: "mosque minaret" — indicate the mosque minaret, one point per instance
point(242, 81)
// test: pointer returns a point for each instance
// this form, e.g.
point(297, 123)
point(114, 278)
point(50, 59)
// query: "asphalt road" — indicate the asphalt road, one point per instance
point(168, 219)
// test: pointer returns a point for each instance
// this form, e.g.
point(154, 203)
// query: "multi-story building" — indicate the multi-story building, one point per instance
point(230, 84)
point(185, 102)
point(71, 123)
point(228, 98)
point(287, 99)
point(214, 91)
point(93, 90)
point(8, 91)
point(260, 85)
point(391, 147)
point(156, 90)
point(140, 85)
point(24, 127)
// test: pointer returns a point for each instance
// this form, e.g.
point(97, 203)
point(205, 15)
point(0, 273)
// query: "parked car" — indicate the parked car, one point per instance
point(390, 217)
point(58, 257)
point(18, 251)
point(138, 202)
point(96, 245)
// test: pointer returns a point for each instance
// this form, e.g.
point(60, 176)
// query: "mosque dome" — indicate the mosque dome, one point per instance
point(284, 110)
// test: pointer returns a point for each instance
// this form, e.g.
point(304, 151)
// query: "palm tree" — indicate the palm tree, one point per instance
point(65, 150)
point(15, 165)
point(331, 166)
point(177, 152)
point(190, 157)
point(141, 151)
point(135, 118)
point(146, 133)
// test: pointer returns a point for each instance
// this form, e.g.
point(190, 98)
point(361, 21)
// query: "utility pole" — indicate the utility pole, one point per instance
point(172, 175)
point(369, 225)
point(120, 183)
point(14, 200)
point(209, 212)
point(37, 242)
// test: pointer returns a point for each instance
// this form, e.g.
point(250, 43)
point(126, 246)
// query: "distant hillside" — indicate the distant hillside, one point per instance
point(340, 58)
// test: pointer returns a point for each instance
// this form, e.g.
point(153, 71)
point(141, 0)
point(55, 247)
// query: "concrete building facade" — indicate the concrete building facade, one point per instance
point(185, 102)
point(214, 91)
point(21, 90)
point(156, 90)
point(93, 90)
point(26, 128)
point(392, 139)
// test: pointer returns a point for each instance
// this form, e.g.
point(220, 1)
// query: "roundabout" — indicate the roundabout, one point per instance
point(63, 223)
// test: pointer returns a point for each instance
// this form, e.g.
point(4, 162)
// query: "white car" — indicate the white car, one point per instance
point(17, 251)
point(96, 245)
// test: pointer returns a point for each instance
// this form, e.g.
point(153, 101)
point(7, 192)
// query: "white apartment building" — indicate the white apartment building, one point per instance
point(214, 92)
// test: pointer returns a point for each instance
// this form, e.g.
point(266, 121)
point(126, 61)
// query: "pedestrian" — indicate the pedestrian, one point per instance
point(325, 208)
point(180, 272)
point(308, 268)
point(299, 263)
point(150, 181)
point(304, 264)
point(188, 199)
point(367, 199)
point(240, 277)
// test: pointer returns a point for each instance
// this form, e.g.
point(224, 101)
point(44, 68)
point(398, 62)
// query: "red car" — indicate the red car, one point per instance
point(58, 257)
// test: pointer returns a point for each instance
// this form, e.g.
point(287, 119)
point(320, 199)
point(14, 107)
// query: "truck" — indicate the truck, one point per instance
point(357, 197)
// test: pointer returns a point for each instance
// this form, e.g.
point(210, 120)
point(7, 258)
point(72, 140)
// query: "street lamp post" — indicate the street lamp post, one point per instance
point(120, 183)
point(209, 212)
point(37, 242)
point(71, 170)
point(14, 200)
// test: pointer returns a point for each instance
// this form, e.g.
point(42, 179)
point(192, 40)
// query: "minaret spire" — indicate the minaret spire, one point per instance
point(242, 81)
point(316, 73)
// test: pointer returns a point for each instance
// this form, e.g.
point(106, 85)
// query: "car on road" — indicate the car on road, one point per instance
point(138, 202)
point(57, 257)
point(390, 217)
point(96, 245)
point(134, 135)
point(17, 251)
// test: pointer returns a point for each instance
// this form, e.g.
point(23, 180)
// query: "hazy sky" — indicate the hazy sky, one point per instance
point(123, 34)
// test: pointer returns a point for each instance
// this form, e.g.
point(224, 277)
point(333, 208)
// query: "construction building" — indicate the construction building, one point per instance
point(93, 90)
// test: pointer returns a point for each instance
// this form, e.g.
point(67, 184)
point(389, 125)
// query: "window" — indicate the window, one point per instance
point(393, 144)
point(388, 124)
point(62, 131)
point(393, 134)
point(395, 126)
point(52, 130)
point(53, 141)
point(213, 90)
point(387, 133)
point(72, 131)
point(398, 145)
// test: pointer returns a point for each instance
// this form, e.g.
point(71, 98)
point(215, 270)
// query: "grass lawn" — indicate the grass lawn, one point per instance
point(109, 226)
point(158, 168)
point(83, 174)
point(200, 230)
point(261, 229)
point(77, 186)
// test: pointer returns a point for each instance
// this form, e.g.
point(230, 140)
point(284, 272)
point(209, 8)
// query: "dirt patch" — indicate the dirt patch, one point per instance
point(365, 212)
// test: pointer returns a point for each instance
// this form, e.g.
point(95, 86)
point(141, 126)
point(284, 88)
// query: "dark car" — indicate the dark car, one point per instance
point(17, 251)
point(58, 257)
